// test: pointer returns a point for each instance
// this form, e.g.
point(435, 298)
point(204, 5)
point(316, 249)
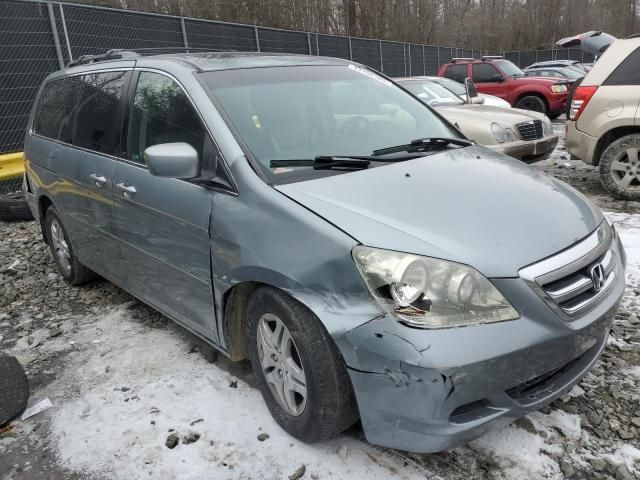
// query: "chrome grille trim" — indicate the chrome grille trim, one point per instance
point(564, 280)
point(531, 130)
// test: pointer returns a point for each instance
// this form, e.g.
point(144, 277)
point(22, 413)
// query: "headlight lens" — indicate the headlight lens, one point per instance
point(430, 293)
point(547, 127)
point(509, 135)
point(559, 88)
point(498, 132)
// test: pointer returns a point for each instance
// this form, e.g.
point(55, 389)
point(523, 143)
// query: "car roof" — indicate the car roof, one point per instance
point(550, 63)
point(203, 61)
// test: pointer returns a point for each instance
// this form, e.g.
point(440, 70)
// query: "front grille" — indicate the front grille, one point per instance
point(576, 280)
point(531, 130)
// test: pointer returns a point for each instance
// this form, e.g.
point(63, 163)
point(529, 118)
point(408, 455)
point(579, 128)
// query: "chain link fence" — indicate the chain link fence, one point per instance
point(40, 36)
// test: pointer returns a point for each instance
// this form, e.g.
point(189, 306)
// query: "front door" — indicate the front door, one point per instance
point(163, 223)
point(488, 80)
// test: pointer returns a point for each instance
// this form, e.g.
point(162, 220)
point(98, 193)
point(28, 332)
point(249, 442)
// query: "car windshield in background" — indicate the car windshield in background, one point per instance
point(432, 93)
point(452, 85)
point(509, 68)
point(303, 112)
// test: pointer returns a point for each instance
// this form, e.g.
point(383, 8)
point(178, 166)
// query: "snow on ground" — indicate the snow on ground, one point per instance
point(137, 384)
point(628, 227)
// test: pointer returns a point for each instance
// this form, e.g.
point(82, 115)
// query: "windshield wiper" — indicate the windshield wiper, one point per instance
point(347, 162)
point(422, 144)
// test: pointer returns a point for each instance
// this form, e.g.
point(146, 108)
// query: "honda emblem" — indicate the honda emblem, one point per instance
point(598, 277)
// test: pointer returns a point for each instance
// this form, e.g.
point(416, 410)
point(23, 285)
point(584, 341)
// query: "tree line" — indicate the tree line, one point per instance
point(480, 24)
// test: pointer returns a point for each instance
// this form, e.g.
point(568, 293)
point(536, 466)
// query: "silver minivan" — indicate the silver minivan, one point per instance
point(312, 216)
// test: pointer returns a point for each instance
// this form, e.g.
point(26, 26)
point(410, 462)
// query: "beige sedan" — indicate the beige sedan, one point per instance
point(522, 134)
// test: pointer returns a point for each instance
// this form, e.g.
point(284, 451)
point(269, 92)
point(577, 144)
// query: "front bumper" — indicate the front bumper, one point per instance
point(580, 145)
point(432, 390)
point(557, 103)
point(528, 151)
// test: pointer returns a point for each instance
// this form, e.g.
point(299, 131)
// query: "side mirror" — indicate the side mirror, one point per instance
point(172, 160)
point(476, 100)
point(471, 91)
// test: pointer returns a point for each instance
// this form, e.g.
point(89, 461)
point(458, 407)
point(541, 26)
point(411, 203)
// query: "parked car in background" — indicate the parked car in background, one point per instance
point(310, 215)
point(500, 77)
point(12, 203)
point(572, 64)
point(569, 74)
point(459, 89)
point(521, 134)
point(604, 123)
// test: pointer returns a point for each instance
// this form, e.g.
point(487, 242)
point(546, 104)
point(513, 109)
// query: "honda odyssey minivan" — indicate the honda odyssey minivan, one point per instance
point(310, 215)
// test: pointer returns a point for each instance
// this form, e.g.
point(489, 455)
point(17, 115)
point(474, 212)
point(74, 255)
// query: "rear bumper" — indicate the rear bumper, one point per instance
point(432, 390)
point(528, 152)
point(580, 145)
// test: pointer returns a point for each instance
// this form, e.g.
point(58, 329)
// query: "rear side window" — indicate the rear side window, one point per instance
point(162, 113)
point(98, 112)
point(456, 72)
point(485, 72)
point(54, 114)
point(628, 72)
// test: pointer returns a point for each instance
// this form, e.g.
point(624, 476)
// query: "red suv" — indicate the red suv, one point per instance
point(500, 77)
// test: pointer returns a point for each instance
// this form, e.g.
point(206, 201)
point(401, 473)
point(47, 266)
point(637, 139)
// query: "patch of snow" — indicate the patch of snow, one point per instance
point(105, 430)
point(628, 227)
point(576, 391)
point(626, 454)
point(633, 372)
point(519, 453)
point(567, 423)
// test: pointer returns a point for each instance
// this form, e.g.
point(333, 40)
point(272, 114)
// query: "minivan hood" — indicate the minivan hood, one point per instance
point(469, 205)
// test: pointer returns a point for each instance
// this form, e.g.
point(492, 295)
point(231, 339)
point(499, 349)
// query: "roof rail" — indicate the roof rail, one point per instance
point(131, 53)
point(462, 59)
point(491, 57)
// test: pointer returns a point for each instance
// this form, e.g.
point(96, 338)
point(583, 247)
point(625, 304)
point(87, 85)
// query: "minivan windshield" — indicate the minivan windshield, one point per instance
point(302, 112)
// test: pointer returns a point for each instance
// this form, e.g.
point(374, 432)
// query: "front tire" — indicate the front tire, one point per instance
point(58, 239)
point(620, 168)
point(532, 102)
point(299, 371)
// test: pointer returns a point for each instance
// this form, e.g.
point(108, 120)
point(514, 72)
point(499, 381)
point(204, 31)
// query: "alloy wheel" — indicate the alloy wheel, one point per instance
point(625, 169)
point(281, 364)
point(60, 245)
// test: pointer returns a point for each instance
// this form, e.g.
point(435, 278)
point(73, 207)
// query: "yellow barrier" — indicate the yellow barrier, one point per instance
point(11, 165)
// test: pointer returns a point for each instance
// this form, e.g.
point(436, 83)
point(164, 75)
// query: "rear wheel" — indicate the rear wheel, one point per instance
point(68, 265)
point(620, 168)
point(532, 102)
point(299, 370)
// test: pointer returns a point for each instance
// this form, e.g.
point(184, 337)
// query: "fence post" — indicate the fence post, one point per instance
point(350, 50)
point(438, 57)
point(424, 62)
point(56, 38)
point(380, 52)
point(317, 46)
point(255, 32)
point(64, 30)
point(184, 34)
point(309, 42)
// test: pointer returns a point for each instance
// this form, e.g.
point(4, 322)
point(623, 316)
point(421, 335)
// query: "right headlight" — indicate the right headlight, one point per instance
point(499, 133)
point(431, 293)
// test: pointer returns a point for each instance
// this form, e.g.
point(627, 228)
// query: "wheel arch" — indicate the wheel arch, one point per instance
point(611, 136)
point(530, 93)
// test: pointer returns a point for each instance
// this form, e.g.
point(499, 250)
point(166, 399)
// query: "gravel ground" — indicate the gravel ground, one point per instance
point(127, 384)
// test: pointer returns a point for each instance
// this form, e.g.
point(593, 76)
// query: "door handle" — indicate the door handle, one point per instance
point(99, 180)
point(127, 190)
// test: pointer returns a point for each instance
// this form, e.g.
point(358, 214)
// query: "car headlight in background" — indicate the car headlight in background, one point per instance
point(547, 127)
point(559, 88)
point(430, 293)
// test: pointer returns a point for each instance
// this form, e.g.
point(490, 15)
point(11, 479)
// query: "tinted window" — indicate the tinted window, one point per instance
point(628, 72)
point(98, 112)
point(456, 72)
point(54, 115)
point(485, 72)
point(162, 113)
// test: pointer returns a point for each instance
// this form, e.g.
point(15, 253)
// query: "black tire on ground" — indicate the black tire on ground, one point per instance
point(76, 274)
point(12, 209)
point(532, 102)
point(624, 168)
point(554, 116)
point(330, 403)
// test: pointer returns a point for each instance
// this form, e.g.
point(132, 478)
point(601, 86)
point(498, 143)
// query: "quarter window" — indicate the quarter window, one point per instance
point(162, 113)
point(628, 72)
point(456, 72)
point(98, 112)
point(485, 72)
point(54, 114)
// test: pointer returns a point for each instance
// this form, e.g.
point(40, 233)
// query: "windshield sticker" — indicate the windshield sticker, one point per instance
point(369, 74)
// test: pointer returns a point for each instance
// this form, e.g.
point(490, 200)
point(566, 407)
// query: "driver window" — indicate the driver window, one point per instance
point(485, 72)
point(161, 113)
